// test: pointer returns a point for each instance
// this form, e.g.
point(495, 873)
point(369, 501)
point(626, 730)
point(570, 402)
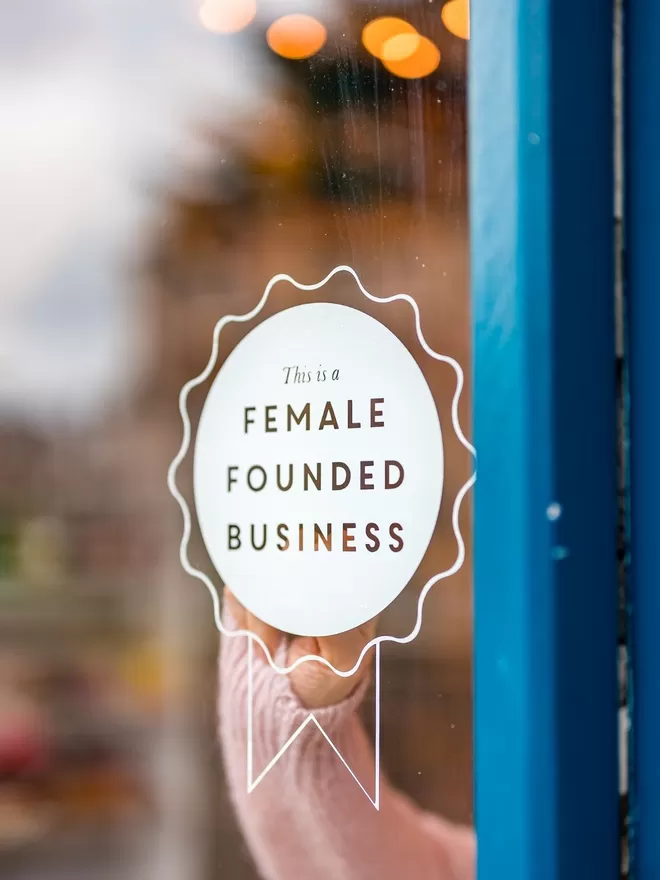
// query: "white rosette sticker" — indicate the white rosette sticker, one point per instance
point(318, 475)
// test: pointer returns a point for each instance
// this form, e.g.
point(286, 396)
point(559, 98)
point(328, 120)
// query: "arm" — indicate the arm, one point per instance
point(308, 818)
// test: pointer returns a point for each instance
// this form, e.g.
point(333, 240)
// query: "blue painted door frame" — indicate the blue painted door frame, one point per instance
point(546, 604)
point(643, 294)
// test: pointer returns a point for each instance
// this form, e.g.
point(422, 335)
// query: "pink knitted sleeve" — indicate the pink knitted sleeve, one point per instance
point(307, 817)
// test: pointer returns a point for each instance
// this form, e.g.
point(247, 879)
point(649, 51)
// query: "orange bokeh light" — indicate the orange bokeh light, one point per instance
point(227, 16)
point(381, 30)
point(456, 18)
point(400, 47)
point(296, 36)
point(423, 61)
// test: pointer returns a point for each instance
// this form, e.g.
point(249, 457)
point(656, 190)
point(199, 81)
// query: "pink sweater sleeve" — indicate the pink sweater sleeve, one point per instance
point(307, 817)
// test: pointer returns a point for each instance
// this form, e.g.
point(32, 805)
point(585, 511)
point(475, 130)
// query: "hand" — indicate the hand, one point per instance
point(314, 684)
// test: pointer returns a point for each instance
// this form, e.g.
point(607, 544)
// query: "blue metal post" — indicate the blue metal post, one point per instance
point(643, 260)
point(545, 428)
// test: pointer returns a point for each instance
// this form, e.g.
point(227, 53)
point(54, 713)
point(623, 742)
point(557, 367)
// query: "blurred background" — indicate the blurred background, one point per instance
point(161, 160)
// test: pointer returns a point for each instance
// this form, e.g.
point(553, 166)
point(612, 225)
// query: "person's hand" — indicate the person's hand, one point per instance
point(313, 683)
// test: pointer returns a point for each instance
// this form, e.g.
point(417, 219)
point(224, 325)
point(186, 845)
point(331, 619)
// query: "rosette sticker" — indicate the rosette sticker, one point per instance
point(318, 470)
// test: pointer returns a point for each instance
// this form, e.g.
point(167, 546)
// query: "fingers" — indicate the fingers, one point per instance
point(314, 683)
point(243, 619)
point(344, 650)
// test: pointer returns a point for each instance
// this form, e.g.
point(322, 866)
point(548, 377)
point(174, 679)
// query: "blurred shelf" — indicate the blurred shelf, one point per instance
point(16, 588)
point(25, 609)
point(70, 619)
point(49, 848)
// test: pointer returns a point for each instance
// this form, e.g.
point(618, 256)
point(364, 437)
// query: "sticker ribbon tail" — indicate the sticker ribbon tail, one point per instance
point(253, 782)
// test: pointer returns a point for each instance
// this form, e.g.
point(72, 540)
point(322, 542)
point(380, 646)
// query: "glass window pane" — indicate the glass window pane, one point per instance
point(166, 161)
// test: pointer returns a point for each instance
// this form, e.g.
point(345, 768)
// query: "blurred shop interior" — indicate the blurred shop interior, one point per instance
point(162, 160)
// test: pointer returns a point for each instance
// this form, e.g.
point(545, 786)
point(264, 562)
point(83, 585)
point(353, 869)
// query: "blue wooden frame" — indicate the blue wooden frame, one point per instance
point(546, 604)
point(643, 252)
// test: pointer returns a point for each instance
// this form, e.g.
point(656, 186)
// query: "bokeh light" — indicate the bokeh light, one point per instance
point(456, 18)
point(400, 47)
point(227, 16)
point(423, 61)
point(296, 36)
point(381, 30)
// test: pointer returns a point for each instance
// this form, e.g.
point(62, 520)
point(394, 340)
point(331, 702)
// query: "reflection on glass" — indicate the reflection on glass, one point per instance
point(161, 162)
